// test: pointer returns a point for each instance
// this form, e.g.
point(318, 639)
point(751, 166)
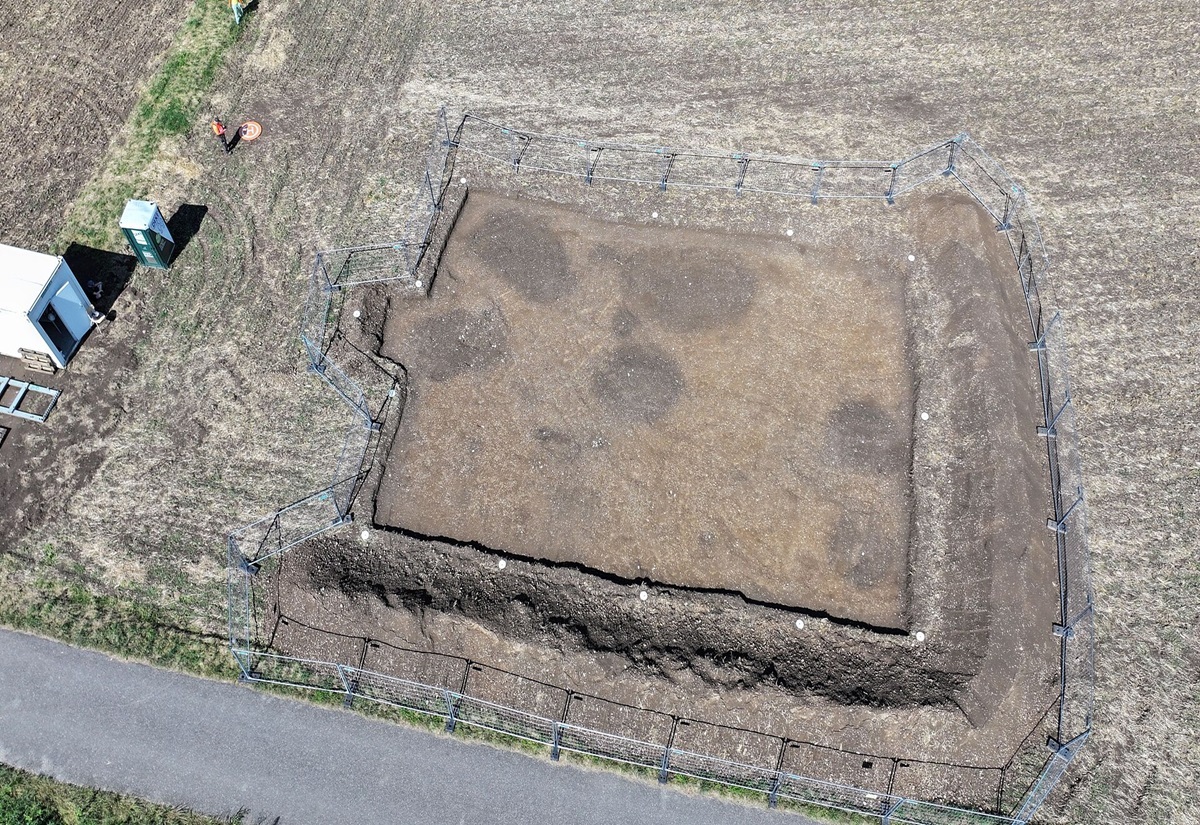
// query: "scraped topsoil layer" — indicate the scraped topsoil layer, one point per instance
point(701, 409)
point(975, 557)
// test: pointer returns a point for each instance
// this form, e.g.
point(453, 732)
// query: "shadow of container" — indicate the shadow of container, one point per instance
point(102, 274)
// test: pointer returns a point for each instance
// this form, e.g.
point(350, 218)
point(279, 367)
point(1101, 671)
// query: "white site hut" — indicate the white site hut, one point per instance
point(43, 309)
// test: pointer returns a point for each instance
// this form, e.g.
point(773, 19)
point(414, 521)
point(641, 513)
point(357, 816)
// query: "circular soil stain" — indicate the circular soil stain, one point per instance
point(865, 437)
point(526, 254)
point(456, 342)
point(690, 289)
point(638, 383)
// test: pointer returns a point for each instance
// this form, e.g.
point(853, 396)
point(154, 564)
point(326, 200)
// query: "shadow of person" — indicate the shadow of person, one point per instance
point(236, 139)
point(102, 274)
point(184, 225)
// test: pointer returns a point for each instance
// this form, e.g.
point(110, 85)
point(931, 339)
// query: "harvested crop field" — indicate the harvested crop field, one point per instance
point(212, 421)
point(69, 74)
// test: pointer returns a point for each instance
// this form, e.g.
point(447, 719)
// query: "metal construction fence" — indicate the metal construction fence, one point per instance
point(958, 158)
point(662, 759)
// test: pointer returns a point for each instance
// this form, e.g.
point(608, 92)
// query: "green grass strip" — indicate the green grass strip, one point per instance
point(29, 799)
point(124, 626)
point(169, 107)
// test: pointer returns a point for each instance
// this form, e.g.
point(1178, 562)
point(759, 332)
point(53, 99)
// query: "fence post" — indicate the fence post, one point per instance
point(774, 794)
point(1012, 199)
point(891, 192)
point(592, 160)
point(743, 162)
point(433, 200)
point(819, 168)
point(1049, 430)
point(670, 161)
point(952, 163)
point(518, 143)
point(1060, 525)
point(347, 686)
point(554, 745)
point(887, 813)
point(666, 760)
point(451, 710)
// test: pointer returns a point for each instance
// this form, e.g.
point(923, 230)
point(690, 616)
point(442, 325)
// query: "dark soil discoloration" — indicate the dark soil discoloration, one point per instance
point(624, 323)
point(637, 383)
point(862, 435)
point(858, 548)
point(526, 255)
point(459, 341)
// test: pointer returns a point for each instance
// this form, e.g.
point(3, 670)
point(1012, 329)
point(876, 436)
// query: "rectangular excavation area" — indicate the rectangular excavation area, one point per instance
point(691, 408)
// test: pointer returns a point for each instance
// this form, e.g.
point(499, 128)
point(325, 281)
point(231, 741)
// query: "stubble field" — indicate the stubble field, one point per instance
point(216, 422)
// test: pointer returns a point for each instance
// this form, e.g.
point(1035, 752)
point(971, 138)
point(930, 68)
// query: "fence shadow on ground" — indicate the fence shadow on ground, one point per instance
point(504, 703)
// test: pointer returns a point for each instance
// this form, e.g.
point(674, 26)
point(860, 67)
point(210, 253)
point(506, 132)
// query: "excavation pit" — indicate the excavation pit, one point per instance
point(699, 409)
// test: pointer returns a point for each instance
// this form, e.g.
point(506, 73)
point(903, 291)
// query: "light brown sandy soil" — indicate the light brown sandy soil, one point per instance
point(1095, 112)
point(710, 411)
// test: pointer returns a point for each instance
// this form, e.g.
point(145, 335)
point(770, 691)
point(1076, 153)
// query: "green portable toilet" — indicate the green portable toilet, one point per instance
point(147, 233)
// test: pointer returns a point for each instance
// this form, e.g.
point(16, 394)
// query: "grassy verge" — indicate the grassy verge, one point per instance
point(167, 109)
point(119, 623)
point(29, 799)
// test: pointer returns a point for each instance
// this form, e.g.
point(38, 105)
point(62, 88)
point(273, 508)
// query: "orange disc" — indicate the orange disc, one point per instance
point(250, 130)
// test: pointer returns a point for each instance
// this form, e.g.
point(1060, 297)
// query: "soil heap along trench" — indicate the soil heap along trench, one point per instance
point(698, 409)
point(607, 427)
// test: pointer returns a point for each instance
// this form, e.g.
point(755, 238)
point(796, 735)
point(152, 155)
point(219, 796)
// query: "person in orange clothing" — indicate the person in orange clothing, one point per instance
point(219, 130)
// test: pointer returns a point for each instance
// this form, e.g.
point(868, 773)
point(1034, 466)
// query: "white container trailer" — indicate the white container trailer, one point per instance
point(43, 309)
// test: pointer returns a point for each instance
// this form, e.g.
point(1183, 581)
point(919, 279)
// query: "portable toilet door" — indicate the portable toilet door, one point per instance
point(147, 233)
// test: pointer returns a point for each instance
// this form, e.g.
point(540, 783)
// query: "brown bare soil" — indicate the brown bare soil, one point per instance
point(707, 411)
point(209, 420)
point(981, 572)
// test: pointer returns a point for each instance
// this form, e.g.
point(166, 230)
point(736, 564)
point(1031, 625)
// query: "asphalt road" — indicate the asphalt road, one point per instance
point(86, 718)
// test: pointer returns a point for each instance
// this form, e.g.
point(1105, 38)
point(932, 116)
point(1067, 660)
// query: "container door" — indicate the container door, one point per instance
point(73, 310)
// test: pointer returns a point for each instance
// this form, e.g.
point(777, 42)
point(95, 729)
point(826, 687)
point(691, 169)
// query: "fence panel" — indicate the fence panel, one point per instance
point(986, 181)
point(284, 529)
point(704, 171)
point(481, 714)
point(721, 771)
point(863, 783)
point(851, 180)
point(922, 168)
point(399, 692)
point(805, 791)
point(611, 747)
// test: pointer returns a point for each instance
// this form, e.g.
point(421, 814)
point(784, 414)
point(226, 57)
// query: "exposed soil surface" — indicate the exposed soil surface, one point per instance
point(702, 410)
point(504, 375)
